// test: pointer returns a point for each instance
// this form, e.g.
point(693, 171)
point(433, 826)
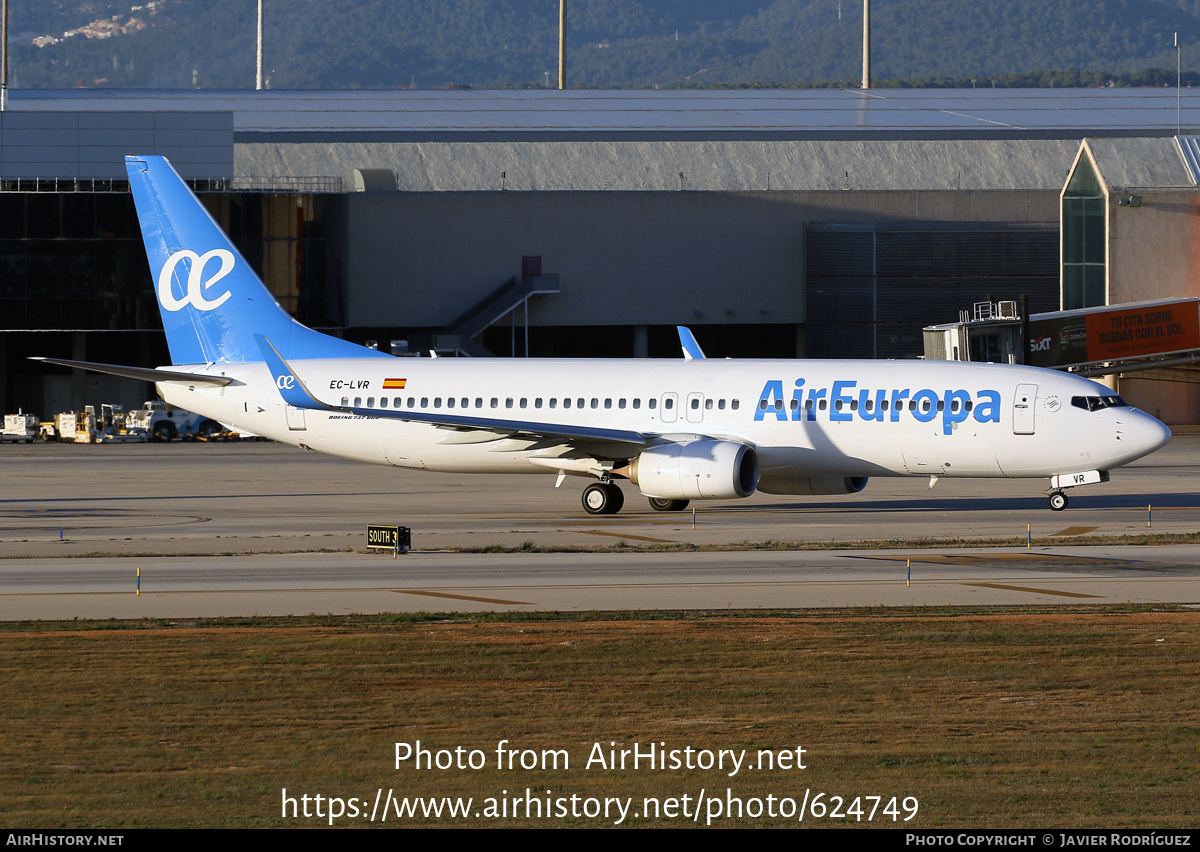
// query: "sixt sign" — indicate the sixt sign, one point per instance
point(844, 401)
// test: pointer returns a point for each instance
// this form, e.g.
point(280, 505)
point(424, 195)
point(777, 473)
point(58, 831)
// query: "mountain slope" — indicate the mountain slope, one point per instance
point(390, 43)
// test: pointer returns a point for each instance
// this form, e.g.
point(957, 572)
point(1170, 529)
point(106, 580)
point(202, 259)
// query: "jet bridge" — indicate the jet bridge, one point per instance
point(1122, 338)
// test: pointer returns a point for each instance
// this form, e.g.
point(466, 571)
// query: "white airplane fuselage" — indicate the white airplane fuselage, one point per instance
point(896, 418)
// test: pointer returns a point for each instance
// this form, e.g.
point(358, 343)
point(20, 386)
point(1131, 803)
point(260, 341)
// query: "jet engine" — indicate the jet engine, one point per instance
point(696, 470)
point(812, 484)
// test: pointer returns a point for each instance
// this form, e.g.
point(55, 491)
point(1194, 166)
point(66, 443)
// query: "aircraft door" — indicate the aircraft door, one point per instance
point(920, 460)
point(668, 408)
point(295, 418)
point(694, 411)
point(1024, 404)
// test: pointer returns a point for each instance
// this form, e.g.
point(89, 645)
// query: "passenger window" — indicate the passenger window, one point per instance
point(465, 402)
point(370, 402)
point(579, 402)
point(608, 403)
point(508, 402)
point(358, 402)
point(524, 402)
point(721, 404)
point(553, 402)
point(495, 402)
point(595, 402)
point(437, 402)
point(479, 402)
point(345, 402)
point(637, 403)
point(708, 404)
point(734, 405)
point(621, 402)
point(537, 403)
point(567, 402)
point(651, 403)
point(424, 402)
point(412, 402)
point(450, 402)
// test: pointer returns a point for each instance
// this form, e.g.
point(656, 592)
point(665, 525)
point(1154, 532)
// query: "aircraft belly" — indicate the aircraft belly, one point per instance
point(883, 449)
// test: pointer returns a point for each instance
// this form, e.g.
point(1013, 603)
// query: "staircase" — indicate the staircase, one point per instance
point(512, 294)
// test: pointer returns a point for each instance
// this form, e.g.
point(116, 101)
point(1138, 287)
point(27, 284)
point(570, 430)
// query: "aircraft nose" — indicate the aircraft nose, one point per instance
point(1143, 434)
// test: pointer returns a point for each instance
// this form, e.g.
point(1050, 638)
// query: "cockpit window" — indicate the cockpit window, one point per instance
point(1095, 403)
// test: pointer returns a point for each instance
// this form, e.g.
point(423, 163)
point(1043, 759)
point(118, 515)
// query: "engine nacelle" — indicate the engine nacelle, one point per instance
point(812, 484)
point(696, 470)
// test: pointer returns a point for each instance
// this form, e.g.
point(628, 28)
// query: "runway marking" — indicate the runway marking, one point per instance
point(1032, 590)
point(626, 535)
point(459, 597)
point(1075, 531)
point(679, 521)
point(968, 559)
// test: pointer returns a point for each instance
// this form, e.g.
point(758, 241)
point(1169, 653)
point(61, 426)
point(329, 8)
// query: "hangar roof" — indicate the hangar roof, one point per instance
point(432, 115)
point(1145, 163)
point(655, 166)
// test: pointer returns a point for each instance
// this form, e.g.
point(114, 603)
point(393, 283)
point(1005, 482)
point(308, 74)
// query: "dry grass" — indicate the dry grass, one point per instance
point(1041, 718)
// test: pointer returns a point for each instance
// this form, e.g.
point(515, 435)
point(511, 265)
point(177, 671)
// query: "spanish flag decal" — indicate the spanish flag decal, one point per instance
point(394, 384)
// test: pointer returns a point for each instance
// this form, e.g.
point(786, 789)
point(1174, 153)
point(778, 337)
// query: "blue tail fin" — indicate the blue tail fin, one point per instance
point(212, 302)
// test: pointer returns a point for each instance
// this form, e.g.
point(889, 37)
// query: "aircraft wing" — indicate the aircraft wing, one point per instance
point(294, 392)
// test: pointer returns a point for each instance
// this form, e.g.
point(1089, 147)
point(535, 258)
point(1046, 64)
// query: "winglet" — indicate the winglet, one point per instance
point(691, 349)
point(290, 387)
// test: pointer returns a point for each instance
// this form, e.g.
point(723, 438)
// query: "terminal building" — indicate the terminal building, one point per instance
point(589, 224)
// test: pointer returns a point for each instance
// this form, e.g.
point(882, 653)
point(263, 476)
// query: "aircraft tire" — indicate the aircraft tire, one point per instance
point(1057, 501)
point(665, 504)
point(603, 498)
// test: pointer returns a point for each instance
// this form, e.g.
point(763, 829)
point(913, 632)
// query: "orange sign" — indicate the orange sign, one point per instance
point(1143, 331)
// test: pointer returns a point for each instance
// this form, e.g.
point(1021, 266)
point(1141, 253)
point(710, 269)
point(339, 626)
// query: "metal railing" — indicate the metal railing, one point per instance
point(315, 185)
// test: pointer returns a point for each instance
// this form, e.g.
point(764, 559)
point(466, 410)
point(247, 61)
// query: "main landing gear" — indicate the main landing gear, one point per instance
point(665, 504)
point(603, 498)
point(1057, 501)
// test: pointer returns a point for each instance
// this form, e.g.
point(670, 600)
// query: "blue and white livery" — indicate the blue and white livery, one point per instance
point(679, 430)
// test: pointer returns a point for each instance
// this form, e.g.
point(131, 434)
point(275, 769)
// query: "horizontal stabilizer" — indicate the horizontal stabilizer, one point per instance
point(146, 374)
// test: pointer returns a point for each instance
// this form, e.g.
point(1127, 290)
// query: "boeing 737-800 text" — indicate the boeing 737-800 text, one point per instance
point(679, 430)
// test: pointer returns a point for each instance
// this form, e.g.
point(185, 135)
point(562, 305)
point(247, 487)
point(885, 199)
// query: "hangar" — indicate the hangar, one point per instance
point(775, 223)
